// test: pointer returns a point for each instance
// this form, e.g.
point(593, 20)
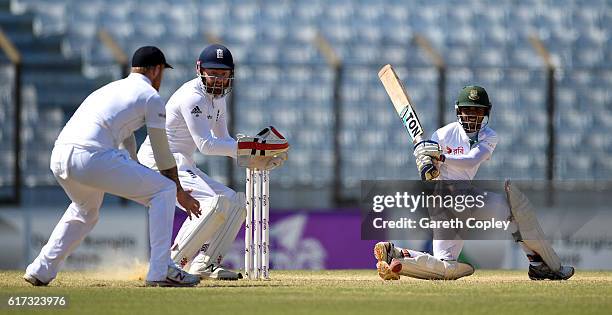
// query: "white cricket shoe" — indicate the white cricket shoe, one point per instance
point(34, 281)
point(176, 277)
point(218, 273)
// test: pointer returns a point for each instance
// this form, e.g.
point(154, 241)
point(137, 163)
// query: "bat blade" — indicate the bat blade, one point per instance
point(406, 111)
point(402, 103)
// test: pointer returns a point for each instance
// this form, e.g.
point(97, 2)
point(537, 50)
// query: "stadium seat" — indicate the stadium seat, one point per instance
point(280, 71)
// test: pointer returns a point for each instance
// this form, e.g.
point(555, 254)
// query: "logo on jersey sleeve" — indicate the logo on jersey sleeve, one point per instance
point(455, 151)
point(489, 144)
point(196, 111)
point(191, 173)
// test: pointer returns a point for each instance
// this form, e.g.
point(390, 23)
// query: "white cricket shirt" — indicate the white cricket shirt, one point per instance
point(113, 112)
point(462, 160)
point(194, 120)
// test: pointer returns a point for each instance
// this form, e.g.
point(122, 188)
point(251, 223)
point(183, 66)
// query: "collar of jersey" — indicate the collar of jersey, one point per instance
point(139, 76)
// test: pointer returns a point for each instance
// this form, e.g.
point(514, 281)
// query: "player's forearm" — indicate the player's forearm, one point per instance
point(162, 155)
point(210, 140)
point(469, 160)
point(172, 174)
point(218, 146)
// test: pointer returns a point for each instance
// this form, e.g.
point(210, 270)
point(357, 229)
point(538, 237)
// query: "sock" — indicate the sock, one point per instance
point(534, 259)
point(409, 253)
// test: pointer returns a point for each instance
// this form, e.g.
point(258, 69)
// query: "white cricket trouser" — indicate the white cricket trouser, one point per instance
point(204, 187)
point(86, 174)
point(496, 206)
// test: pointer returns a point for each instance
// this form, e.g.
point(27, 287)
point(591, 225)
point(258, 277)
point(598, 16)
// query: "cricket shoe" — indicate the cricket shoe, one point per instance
point(543, 272)
point(34, 281)
point(218, 273)
point(386, 251)
point(385, 271)
point(176, 277)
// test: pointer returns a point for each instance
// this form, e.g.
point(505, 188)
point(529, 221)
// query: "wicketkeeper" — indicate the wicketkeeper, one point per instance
point(196, 119)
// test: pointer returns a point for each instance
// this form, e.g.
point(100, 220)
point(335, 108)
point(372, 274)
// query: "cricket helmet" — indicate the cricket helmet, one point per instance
point(216, 56)
point(473, 96)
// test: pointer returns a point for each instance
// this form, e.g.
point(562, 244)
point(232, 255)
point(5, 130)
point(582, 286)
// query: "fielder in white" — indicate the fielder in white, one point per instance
point(197, 120)
point(457, 150)
point(87, 162)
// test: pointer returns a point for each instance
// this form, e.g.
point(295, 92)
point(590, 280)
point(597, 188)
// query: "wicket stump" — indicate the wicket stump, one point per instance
point(257, 232)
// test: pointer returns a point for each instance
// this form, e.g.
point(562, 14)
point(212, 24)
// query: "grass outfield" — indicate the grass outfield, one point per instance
point(325, 292)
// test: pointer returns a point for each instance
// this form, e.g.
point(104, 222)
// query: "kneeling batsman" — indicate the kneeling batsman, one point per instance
point(201, 243)
point(473, 142)
point(544, 263)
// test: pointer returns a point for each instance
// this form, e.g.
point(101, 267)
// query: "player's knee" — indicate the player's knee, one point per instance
point(84, 212)
point(166, 195)
point(93, 218)
point(167, 188)
point(239, 200)
point(235, 201)
point(228, 192)
point(169, 193)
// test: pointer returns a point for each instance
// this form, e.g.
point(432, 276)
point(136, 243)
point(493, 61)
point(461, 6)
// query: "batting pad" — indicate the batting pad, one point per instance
point(431, 268)
point(530, 231)
point(195, 232)
point(223, 239)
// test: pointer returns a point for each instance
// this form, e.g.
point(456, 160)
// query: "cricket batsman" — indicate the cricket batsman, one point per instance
point(196, 119)
point(87, 162)
point(457, 150)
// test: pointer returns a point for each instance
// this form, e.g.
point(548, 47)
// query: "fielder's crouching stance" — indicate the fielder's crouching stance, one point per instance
point(197, 119)
point(467, 143)
point(87, 162)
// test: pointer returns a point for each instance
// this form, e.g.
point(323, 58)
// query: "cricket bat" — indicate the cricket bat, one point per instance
point(403, 106)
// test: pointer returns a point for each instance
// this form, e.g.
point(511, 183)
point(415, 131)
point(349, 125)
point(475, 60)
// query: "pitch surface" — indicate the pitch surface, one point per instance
point(324, 292)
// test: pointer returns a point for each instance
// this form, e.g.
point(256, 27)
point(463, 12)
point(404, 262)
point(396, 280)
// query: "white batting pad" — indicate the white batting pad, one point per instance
point(531, 233)
point(430, 268)
point(194, 233)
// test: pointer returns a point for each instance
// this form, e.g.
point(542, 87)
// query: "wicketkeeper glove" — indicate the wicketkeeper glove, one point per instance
point(263, 162)
point(266, 151)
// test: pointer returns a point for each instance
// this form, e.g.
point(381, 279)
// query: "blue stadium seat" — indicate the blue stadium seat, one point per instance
point(280, 72)
point(588, 52)
point(243, 33)
point(490, 57)
point(364, 53)
point(272, 31)
point(459, 55)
